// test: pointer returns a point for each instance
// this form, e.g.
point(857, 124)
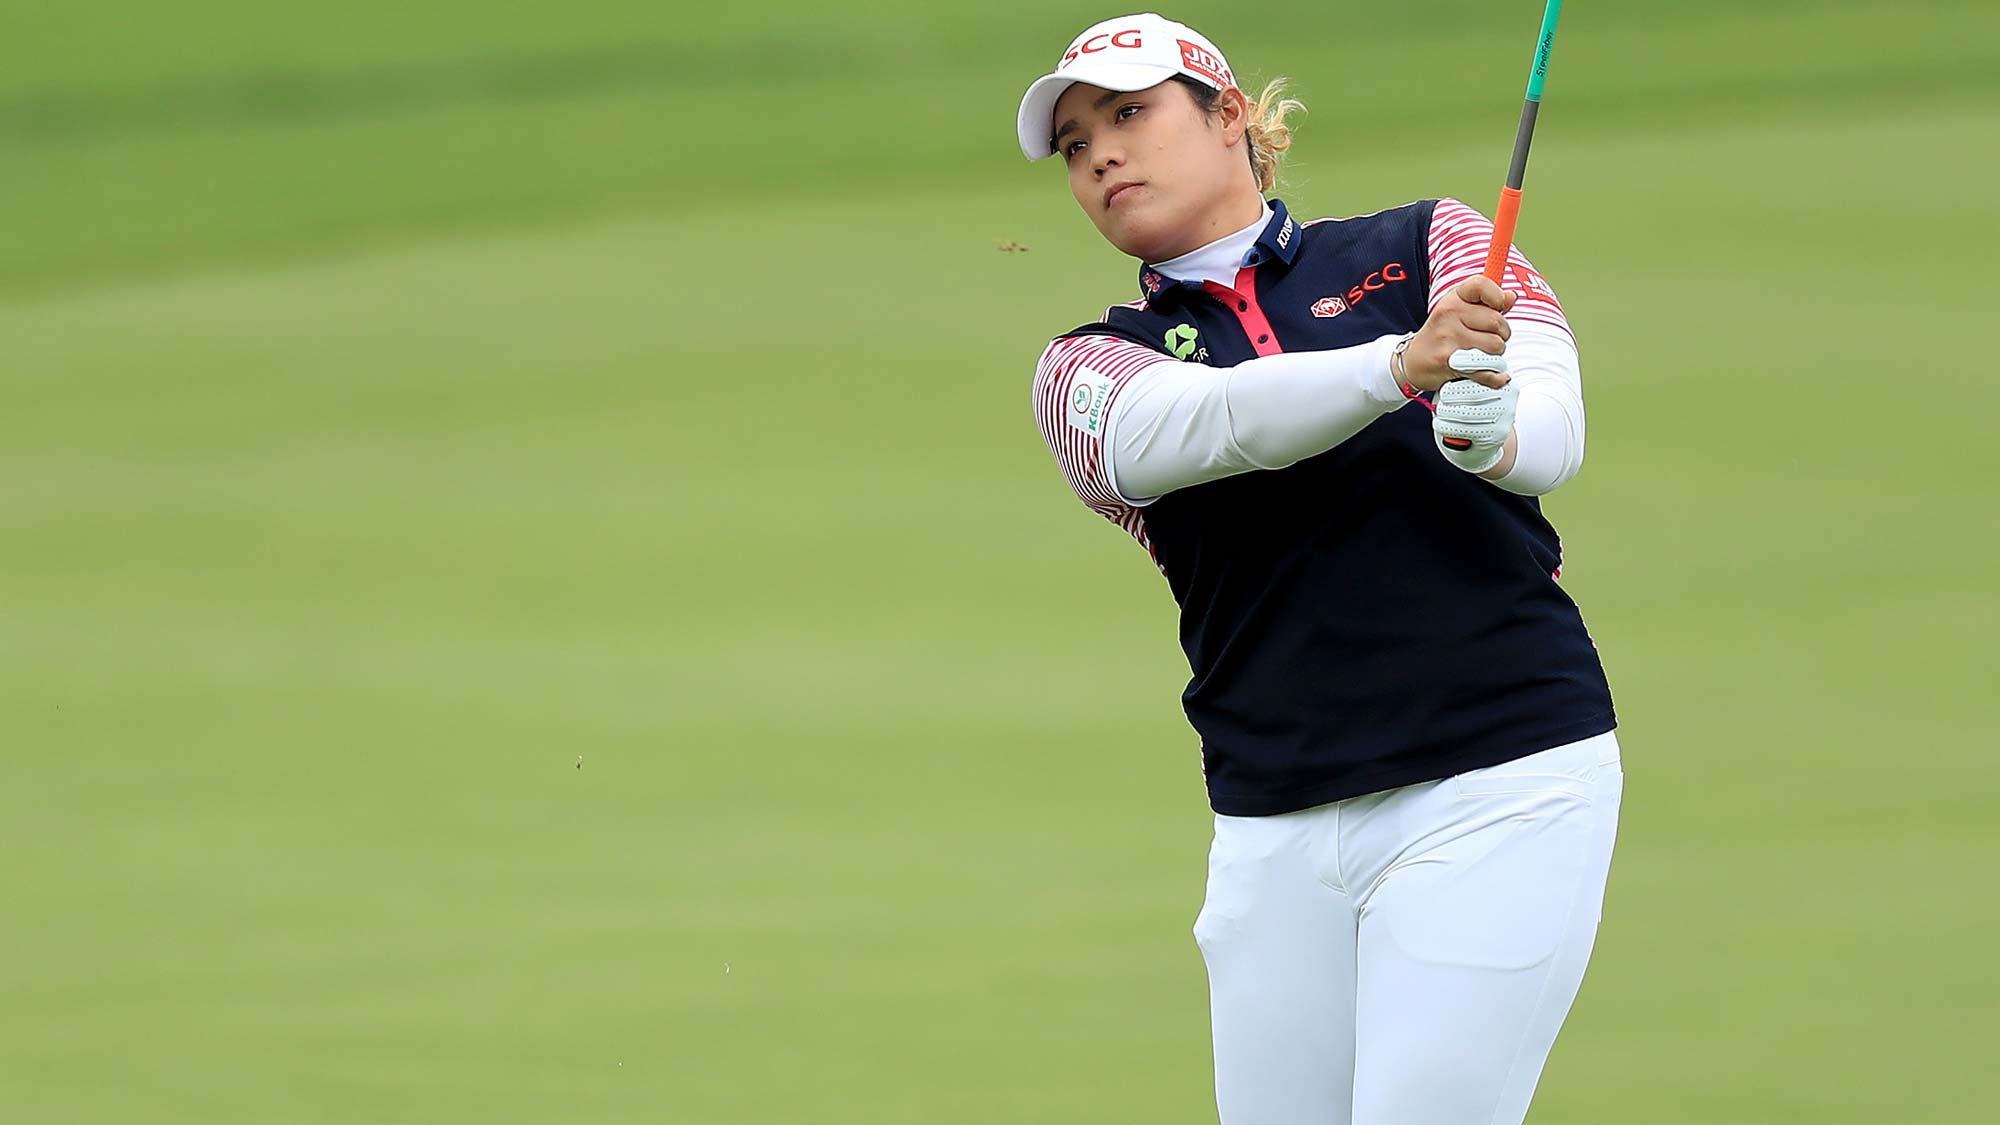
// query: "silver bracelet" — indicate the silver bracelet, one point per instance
point(1398, 370)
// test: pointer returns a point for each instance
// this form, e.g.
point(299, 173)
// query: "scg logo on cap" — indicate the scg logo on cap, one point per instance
point(1124, 53)
point(1126, 38)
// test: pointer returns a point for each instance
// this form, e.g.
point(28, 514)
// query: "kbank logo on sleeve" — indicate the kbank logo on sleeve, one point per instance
point(1088, 393)
point(1181, 343)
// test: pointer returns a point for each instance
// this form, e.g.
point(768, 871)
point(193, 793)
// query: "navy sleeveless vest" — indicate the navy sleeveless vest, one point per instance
point(1372, 616)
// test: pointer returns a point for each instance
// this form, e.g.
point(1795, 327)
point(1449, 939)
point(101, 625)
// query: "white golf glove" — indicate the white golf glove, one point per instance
point(1473, 421)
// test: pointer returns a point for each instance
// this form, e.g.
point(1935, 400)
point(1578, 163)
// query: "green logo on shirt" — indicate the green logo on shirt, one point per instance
point(1180, 340)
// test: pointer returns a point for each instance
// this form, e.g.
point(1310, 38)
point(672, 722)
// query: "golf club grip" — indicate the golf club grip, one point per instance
point(1504, 218)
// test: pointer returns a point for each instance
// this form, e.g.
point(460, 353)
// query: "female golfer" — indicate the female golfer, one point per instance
point(1329, 437)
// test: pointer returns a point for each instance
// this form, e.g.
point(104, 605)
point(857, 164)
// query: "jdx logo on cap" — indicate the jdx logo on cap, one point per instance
point(1126, 38)
point(1205, 62)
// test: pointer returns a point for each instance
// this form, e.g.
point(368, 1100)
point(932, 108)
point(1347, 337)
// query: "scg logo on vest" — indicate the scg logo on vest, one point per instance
point(1379, 279)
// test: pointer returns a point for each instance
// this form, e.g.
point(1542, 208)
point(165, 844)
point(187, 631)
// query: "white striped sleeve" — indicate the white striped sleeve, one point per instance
point(1076, 381)
point(1459, 238)
point(1542, 354)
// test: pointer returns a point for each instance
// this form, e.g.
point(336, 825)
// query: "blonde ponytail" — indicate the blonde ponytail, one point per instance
point(1267, 132)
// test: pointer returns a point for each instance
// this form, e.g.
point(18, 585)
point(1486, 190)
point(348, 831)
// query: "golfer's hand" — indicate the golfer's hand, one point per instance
point(1472, 423)
point(1463, 338)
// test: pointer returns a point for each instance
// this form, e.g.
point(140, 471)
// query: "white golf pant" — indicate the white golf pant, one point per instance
point(1407, 957)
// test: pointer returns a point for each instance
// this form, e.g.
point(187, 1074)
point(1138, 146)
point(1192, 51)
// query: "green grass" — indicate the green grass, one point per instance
point(402, 404)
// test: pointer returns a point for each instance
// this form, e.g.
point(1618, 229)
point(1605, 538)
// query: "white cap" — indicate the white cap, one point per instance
point(1128, 53)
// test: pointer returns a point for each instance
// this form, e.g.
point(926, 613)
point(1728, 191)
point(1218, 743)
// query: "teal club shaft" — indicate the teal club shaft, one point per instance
point(1509, 211)
point(1517, 170)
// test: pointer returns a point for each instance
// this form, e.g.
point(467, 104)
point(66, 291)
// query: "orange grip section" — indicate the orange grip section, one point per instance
point(1504, 218)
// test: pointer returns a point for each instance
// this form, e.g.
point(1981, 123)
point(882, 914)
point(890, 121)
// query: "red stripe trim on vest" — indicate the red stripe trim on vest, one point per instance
point(1242, 301)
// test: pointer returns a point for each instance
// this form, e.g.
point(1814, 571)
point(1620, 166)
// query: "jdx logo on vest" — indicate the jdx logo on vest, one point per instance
point(1126, 38)
point(1379, 279)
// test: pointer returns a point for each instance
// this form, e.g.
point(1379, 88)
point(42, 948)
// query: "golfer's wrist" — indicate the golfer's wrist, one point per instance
point(1399, 365)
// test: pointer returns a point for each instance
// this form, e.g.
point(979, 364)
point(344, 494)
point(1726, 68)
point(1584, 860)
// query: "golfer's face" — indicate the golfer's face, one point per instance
point(1140, 164)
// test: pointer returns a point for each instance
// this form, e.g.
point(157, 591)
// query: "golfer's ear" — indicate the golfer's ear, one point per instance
point(1235, 107)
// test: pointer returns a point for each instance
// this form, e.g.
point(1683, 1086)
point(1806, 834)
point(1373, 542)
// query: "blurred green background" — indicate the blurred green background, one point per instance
point(530, 592)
